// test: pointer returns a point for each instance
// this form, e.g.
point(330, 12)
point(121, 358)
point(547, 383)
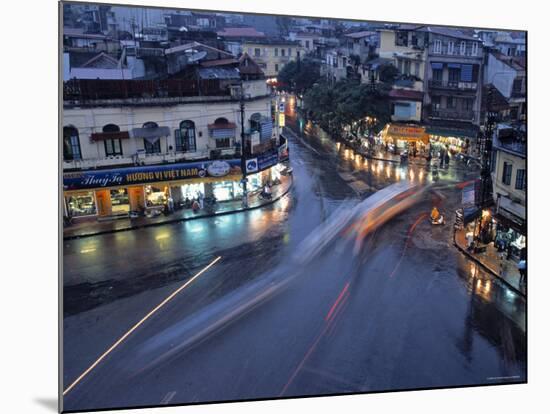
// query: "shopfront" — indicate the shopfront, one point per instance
point(119, 192)
point(81, 204)
point(403, 136)
point(455, 141)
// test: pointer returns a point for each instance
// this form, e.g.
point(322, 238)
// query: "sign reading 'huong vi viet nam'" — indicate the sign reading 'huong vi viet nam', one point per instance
point(149, 174)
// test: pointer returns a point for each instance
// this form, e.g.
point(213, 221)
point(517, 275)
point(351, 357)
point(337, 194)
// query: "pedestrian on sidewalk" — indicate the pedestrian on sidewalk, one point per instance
point(470, 241)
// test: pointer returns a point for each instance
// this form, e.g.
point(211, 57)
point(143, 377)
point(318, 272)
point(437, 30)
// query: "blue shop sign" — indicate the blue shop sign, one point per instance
point(268, 159)
point(149, 174)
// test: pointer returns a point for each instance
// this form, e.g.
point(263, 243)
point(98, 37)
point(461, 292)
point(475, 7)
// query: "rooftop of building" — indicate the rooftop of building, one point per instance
point(515, 62)
point(272, 41)
point(447, 31)
point(240, 32)
point(359, 35)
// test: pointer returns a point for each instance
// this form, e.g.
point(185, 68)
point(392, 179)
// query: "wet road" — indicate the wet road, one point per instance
point(409, 312)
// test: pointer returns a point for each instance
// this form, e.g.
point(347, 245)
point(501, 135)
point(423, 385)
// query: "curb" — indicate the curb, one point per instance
point(215, 214)
point(487, 268)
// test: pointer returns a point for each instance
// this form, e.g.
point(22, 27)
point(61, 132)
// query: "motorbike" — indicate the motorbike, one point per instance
point(439, 221)
point(265, 196)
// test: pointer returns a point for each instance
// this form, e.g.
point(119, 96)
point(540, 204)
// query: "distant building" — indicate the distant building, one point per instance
point(233, 37)
point(273, 54)
point(509, 178)
point(454, 75)
point(508, 75)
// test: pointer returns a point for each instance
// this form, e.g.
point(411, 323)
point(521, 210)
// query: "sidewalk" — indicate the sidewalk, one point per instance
point(94, 227)
point(490, 260)
point(381, 155)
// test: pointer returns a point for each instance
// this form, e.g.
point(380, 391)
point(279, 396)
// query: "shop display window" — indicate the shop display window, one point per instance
point(81, 204)
point(192, 191)
point(155, 196)
point(119, 201)
point(223, 191)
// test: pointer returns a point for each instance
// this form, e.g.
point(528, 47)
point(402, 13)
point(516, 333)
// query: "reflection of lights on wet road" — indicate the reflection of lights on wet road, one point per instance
point(411, 175)
point(421, 175)
point(88, 250)
point(388, 171)
point(162, 236)
point(338, 145)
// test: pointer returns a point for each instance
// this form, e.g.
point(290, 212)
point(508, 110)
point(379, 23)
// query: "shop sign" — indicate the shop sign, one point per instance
point(218, 169)
point(252, 165)
point(268, 159)
point(406, 131)
point(281, 120)
point(283, 152)
point(148, 174)
point(468, 195)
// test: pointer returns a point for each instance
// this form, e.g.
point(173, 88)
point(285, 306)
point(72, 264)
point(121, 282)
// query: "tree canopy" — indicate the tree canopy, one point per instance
point(299, 75)
point(347, 103)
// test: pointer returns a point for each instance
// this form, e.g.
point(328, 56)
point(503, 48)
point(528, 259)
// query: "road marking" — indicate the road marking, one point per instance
point(137, 325)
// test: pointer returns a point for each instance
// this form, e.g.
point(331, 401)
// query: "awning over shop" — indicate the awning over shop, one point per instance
point(437, 65)
point(451, 132)
point(410, 133)
point(102, 136)
point(151, 134)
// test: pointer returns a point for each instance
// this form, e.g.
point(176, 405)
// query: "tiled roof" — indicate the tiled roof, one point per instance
point(447, 31)
point(406, 94)
point(513, 61)
point(240, 32)
point(358, 35)
point(219, 62)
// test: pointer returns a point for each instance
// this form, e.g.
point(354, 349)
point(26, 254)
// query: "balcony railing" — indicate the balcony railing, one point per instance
point(449, 113)
point(96, 89)
point(454, 85)
point(135, 159)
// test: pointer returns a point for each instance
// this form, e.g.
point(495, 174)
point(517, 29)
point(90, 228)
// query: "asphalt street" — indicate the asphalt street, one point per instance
point(409, 311)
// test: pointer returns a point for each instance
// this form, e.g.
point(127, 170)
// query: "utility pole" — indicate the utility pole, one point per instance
point(243, 155)
point(485, 145)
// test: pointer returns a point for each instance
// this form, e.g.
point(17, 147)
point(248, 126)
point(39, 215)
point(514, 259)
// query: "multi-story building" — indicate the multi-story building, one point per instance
point(405, 49)
point(233, 38)
point(508, 75)
point(273, 54)
point(454, 75)
point(509, 178)
point(129, 145)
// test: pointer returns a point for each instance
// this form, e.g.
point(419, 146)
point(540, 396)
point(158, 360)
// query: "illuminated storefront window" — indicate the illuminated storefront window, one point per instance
point(155, 196)
point(192, 191)
point(223, 191)
point(119, 201)
point(81, 204)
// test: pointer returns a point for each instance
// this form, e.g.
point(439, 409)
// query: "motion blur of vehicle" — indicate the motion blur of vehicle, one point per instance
point(359, 220)
point(381, 207)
